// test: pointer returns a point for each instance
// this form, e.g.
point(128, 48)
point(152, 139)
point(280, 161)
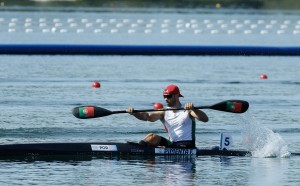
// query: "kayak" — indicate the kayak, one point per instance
point(90, 150)
point(108, 148)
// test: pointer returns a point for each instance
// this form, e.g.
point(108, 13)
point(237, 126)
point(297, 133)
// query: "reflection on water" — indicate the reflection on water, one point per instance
point(168, 170)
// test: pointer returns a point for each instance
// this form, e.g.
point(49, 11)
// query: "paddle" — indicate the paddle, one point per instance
point(86, 112)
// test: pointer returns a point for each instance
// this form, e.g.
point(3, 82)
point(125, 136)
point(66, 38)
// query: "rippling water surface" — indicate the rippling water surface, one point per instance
point(38, 93)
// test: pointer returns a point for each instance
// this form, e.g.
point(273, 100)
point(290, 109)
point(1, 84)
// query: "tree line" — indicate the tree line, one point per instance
point(256, 4)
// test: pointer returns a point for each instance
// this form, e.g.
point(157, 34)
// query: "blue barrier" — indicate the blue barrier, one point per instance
point(68, 49)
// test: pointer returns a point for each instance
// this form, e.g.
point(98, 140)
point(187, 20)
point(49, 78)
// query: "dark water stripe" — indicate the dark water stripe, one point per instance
point(287, 130)
point(33, 82)
point(60, 131)
point(56, 49)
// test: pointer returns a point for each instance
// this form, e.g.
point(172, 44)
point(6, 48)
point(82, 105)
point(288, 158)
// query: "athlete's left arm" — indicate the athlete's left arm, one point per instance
point(196, 113)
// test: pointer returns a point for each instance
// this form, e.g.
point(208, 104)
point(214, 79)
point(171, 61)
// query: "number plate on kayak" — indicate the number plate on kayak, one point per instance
point(104, 147)
point(175, 151)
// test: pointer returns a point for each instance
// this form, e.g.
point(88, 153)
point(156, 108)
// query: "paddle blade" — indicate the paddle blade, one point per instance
point(87, 112)
point(234, 106)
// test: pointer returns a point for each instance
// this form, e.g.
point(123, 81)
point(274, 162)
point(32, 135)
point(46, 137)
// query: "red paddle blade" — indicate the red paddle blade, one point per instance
point(87, 112)
point(234, 106)
point(237, 106)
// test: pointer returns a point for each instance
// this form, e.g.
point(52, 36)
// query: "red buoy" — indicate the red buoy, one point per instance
point(96, 84)
point(263, 76)
point(158, 106)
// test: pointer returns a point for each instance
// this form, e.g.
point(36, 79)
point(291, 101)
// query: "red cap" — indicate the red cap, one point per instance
point(172, 89)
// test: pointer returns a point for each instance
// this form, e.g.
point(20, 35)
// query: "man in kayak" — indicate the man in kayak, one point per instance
point(180, 124)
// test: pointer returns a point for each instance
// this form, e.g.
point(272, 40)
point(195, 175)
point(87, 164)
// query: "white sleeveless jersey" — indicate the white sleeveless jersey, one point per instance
point(179, 125)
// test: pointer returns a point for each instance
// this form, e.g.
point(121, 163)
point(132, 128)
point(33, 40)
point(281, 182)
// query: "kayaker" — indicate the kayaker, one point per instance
point(179, 124)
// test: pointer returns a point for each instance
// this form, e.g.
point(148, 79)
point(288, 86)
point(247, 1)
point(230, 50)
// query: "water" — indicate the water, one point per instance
point(38, 93)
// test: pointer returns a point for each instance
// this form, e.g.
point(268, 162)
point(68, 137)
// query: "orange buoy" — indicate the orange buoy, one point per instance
point(96, 84)
point(263, 76)
point(158, 106)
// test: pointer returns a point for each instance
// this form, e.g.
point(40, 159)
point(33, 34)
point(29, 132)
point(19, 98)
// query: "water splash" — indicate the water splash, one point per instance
point(260, 140)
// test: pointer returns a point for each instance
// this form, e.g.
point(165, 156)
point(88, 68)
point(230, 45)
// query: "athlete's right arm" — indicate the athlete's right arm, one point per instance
point(146, 116)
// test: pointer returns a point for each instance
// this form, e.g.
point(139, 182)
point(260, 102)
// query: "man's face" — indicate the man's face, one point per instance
point(170, 100)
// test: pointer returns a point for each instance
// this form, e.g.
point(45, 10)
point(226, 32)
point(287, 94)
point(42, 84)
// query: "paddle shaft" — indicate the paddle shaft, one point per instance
point(153, 110)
